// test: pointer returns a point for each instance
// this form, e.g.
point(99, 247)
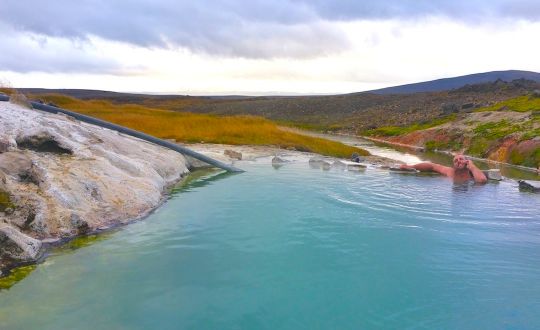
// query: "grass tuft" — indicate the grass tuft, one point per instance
point(400, 130)
point(519, 104)
point(496, 130)
point(5, 201)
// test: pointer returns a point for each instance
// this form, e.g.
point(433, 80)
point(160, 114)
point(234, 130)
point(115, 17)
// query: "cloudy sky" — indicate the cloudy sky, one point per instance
point(261, 46)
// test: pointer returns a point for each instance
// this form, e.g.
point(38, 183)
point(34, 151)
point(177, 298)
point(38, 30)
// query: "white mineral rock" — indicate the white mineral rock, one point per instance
point(66, 177)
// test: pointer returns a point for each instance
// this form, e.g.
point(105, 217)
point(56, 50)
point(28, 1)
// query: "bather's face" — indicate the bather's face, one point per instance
point(460, 162)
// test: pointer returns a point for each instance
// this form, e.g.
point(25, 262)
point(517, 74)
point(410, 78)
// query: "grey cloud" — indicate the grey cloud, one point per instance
point(252, 29)
point(464, 10)
point(23, 53)
point(529, 10)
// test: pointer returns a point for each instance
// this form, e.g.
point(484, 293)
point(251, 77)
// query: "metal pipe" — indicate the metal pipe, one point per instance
point(131, 132)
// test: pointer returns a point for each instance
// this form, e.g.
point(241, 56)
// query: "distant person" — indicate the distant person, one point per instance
point(462, 171)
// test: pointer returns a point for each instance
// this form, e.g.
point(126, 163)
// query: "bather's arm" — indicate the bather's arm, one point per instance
point(430, 167)
point(478, 175)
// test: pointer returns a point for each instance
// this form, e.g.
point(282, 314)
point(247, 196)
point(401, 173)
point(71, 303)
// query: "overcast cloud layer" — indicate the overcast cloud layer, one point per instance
point(345, 42)
point(252, 29)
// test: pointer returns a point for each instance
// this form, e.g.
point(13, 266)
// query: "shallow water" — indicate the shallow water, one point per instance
point(300, 248)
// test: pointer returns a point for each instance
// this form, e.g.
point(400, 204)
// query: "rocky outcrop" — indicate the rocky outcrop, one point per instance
point(531, 186)
point(16, 247)
point(64, 178)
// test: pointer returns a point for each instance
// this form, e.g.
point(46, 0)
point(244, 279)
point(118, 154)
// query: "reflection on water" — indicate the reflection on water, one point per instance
point(200, 178)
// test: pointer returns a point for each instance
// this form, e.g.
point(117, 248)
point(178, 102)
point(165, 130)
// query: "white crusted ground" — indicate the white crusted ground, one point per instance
point(98, 178)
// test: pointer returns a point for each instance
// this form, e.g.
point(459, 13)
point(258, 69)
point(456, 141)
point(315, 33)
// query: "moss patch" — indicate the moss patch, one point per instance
point(528, 135)
point(440, 145)
point(518, 104)
point(478, 147)
point(400, 130)
point(5, 202)
point(15, 276)
point(496, 130)
point(530, 159)
point(82, 241)
point(516, 157)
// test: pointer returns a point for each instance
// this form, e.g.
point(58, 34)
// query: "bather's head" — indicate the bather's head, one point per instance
point(460, 162)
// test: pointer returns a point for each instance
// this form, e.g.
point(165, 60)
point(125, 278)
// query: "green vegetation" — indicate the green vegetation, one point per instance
point(439, 145)
point(478, 146)
point(5, 202)
point(530, 134)
point(519, 104)
point(496, 130)
point(82, 241)
point(530, 159)
point(15, 276)
point(400, 130)
point(486, 136)
point(516, 157)
point(194, 128)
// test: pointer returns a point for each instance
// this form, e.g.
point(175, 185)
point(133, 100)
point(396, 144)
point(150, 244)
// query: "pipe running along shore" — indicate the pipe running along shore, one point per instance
point(128, 131)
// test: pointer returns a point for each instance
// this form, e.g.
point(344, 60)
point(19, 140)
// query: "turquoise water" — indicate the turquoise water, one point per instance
point(301, 248)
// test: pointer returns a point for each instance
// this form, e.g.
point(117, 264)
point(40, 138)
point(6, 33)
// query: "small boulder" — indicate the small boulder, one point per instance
point(493, 174)
point(233, 154)
point(17, 247)
point(80, 225)
point(7, 144)
point(531, 186)
point(348, 165)
point(318, 162)
point(15, 163)
point(279, 160)
point(356, 158)
point(449, 108)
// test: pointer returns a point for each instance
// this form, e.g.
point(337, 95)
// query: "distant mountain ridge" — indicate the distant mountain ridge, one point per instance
point(437, 85)
point(444, 84)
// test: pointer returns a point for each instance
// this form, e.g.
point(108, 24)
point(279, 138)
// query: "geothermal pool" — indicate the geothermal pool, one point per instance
point(301, 248)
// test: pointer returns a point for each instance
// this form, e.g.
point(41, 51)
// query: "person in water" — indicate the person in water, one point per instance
point(462, 171)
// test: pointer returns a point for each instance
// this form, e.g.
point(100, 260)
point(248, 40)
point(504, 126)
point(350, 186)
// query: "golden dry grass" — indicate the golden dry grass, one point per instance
point(7, 90)
point(191, 128)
